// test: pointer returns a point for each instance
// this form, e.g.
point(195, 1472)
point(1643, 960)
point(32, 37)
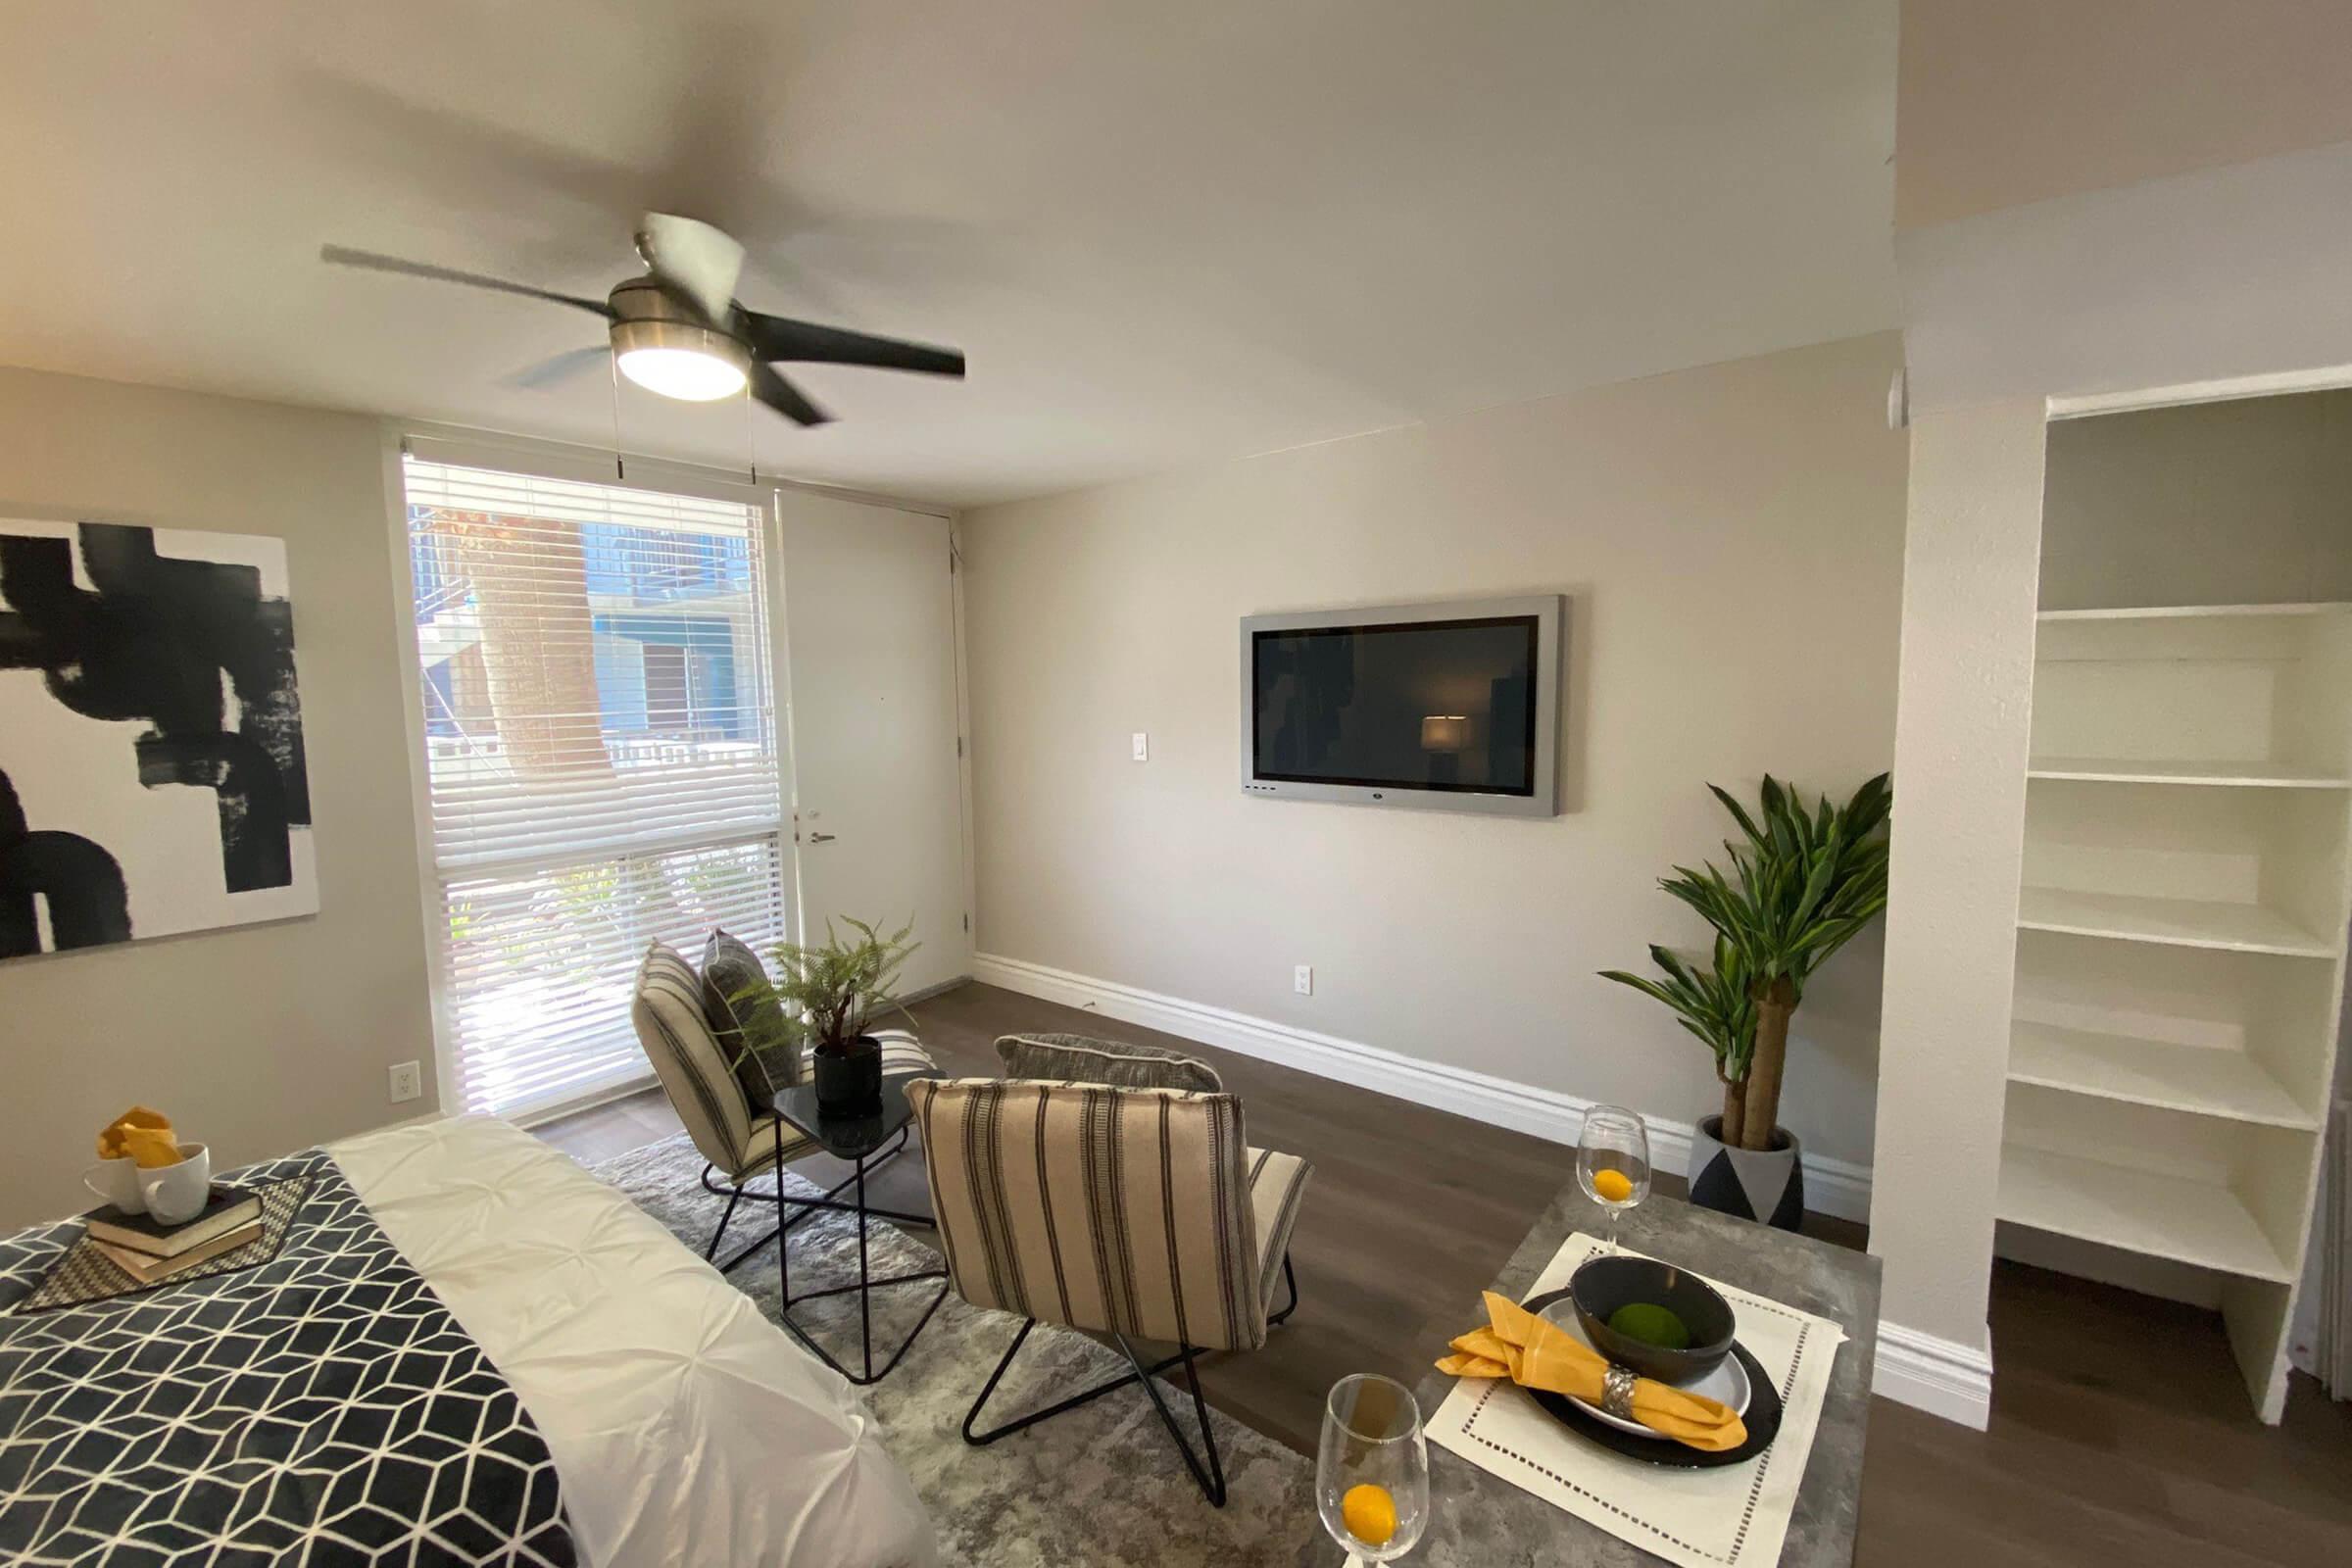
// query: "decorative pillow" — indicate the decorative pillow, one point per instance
point(1075, 1059)
point(751, 1033)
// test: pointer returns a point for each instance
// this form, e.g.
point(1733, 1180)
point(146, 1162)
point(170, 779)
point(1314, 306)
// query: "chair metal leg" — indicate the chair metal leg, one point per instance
point(1212, 1480)
point(1290, 1278)
point(979, 1441)
point(733, 1197)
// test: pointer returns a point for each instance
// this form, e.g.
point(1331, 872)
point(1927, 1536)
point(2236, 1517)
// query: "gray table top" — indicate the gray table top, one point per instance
point(1479, 1518)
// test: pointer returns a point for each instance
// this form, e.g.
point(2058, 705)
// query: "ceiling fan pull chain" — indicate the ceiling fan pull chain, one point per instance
point(751, 454)
point(620, 469)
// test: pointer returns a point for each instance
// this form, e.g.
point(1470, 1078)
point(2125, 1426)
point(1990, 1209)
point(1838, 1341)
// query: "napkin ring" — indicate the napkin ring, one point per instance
point(1617, 1391)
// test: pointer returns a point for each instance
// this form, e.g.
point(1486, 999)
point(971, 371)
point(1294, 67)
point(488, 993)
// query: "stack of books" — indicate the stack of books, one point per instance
point(148, 1251)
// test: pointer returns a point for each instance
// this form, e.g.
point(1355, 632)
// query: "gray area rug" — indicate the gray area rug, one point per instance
point(1099, 1484)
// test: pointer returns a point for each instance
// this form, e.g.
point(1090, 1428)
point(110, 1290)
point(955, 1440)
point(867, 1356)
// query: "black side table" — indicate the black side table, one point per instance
point(857, 1140)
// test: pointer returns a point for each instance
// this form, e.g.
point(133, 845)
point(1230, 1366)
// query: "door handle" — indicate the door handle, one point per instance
point(821, 838)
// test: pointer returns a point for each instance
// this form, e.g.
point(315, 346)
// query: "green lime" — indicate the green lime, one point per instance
point(1652, 1325)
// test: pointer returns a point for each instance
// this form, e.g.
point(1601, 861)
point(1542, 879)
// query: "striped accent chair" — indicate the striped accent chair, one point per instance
point(739, 1140)
point(1139, 1213)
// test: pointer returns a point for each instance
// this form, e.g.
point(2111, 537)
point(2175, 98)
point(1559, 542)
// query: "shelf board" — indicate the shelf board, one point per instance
point(2231, 776)
point(2188, 1221)
point(2204, 1082)
point(2175, 922)
point(2190, 611)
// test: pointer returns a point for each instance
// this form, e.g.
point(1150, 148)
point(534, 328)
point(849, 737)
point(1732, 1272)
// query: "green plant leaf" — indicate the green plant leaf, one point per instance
point(1748, 824)
point(1809, 877)
point(828, 992)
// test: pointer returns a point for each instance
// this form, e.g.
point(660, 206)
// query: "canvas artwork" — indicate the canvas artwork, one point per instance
point(152, 777)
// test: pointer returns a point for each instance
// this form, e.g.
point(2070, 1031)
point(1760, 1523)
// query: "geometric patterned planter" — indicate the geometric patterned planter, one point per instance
point(1767, 1184)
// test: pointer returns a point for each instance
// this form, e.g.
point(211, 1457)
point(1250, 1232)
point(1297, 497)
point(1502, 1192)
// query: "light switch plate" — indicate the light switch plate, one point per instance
point(1142, 749)
point(408, 1082)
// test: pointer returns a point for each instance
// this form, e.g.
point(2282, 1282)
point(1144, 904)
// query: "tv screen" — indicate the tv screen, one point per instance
point(1447, 706)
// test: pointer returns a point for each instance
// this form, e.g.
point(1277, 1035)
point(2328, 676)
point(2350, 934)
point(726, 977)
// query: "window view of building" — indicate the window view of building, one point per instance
point(665, 611)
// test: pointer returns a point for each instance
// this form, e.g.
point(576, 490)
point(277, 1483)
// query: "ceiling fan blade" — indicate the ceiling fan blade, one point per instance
point(778, 338)
point(562, 367)
point(369, 260)
point(700, 261)
point(785, 398)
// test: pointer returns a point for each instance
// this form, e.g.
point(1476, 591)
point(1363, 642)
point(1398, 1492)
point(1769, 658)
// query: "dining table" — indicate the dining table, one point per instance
point(1479, 1520)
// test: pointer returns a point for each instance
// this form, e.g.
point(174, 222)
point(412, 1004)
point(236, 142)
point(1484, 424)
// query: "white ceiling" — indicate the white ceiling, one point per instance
point(1163, 230)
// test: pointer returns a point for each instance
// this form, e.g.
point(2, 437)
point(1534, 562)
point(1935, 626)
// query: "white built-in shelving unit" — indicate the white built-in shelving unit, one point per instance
point(2181, 945)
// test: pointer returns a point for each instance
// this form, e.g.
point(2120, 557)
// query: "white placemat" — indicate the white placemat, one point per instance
point(1735, 1517)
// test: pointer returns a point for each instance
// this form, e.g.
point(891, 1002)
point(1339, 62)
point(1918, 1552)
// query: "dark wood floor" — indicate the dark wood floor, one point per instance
point(2121, 1433)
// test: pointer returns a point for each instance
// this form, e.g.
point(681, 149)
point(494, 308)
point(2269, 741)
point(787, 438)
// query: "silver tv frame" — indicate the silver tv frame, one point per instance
point(1548, 609)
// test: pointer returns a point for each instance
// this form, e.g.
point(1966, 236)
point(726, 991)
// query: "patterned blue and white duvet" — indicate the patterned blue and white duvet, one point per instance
point(468, 1307)
point(320, 1407)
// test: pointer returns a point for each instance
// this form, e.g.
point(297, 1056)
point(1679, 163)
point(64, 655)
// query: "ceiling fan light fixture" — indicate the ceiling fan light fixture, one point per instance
point(675, 360)
point(679, 332)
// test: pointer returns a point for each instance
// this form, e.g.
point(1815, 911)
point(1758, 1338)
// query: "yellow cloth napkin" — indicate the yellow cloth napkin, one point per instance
point(144, 1135)
point(1535, 1354)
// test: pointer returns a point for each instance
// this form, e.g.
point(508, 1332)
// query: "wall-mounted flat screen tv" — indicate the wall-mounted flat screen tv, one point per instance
point(1452, 705)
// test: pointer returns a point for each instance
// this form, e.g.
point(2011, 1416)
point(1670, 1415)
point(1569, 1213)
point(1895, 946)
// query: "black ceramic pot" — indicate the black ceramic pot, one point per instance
point(849, 1080)
point(1602, 1285)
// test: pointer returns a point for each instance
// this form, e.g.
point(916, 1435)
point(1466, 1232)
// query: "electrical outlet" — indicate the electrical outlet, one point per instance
point(1142, 749)
point(407, 1081)
point(1303, 979)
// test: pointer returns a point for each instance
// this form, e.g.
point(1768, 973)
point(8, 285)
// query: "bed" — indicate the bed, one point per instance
point(682, 1425)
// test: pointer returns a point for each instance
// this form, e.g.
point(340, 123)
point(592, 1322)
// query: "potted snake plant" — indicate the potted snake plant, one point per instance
point(828, 994)
point(1804, 884)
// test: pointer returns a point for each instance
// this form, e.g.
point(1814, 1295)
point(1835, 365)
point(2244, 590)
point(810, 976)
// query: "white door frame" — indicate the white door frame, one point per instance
point(2224, 389)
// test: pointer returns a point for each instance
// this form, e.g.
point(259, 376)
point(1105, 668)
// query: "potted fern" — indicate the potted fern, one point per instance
point(1801, 887)
point(828, 994)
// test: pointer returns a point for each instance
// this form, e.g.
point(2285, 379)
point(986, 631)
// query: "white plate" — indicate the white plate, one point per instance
point(1727, 1384)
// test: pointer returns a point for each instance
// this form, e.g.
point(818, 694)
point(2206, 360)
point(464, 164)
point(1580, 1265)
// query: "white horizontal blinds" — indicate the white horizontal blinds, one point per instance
point(604, 673)
point(601, 745)
point(540, 964)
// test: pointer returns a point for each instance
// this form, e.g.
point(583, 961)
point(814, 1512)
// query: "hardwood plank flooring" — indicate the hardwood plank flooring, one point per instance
point(2120, 1429)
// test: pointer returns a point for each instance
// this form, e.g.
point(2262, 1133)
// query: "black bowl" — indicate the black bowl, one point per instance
point(1602, 1285)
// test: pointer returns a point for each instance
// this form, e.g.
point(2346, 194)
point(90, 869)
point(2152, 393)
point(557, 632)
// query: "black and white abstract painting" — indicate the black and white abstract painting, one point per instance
point(151, 762)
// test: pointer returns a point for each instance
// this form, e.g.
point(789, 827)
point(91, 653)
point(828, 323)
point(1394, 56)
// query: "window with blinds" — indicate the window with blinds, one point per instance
point(601, 752)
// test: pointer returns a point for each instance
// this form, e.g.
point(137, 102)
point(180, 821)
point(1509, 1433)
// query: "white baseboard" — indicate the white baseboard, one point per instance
point(1833, 1187)
point(1943, 1377)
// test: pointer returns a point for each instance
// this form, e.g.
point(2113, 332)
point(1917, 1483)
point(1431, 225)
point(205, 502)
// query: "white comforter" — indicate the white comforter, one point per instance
point(687, 1428)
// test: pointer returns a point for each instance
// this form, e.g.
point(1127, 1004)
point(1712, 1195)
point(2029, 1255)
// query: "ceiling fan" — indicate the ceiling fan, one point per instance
point(679, 330)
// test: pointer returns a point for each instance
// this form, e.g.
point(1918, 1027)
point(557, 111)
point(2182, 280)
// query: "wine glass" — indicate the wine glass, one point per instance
point(1372, 1472)
point(1612, 1161)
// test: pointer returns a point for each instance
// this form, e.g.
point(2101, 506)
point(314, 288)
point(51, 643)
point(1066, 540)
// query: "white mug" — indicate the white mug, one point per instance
point(117, 1181)
point(175, 1194)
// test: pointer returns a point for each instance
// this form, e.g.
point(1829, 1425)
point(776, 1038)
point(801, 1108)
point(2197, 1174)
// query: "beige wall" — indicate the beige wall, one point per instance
point(2096, 199)
point(1968, 574)
point(1731, 541)
point(259, 1038)
point(2004, 102)
point(2244, 503)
